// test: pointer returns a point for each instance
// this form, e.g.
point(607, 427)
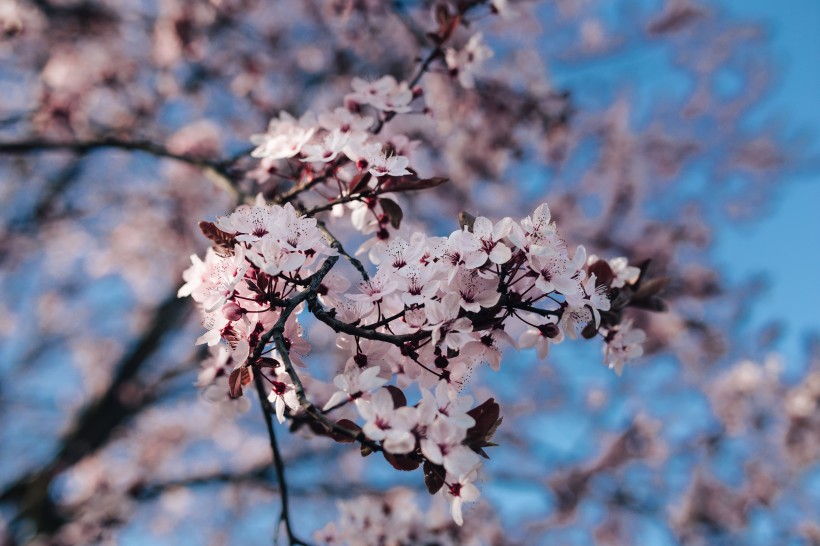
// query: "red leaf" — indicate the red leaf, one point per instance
point(238, 379)
point(603, 273)
point(402, 462)
point(393, 211)
point(412, 183)
point(223, 241)
point(359, 182)
point(399, 400)
point(433, 477)
point(344, 438)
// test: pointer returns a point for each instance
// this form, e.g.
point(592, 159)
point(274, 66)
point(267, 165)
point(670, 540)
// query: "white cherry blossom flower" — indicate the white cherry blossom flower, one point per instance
point(557, 273)
point(624, 273)
point(354, 383)
point(442, 446)
point(623, 345)
point(284, 138)
point(384, 423)
point(475, 292)
point(541, 336)
point(283, 394)
point(383, 94)
point(458, 491)
point(327, 149)
point(392, 165)
point(465, 62)
point(489, 237)
point(344, 121)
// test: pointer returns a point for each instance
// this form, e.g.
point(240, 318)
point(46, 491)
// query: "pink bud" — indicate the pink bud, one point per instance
point(232, 311)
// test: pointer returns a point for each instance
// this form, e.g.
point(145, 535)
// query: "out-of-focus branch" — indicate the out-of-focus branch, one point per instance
point(96, 424)
point(278, 464)
point(216, 171)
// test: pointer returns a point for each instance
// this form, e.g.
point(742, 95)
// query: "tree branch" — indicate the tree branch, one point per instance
point(278, 465)
point(215, 170)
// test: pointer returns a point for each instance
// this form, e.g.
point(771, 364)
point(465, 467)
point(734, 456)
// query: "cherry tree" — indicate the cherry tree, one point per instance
point(314, 272)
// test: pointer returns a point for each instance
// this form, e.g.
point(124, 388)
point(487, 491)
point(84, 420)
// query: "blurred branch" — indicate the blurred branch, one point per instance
point(216, 171)
point(96, 424)
point(278, 465)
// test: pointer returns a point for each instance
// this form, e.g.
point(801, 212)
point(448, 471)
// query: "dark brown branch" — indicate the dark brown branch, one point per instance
point(96, 423)
point(278, 465)
point(337, 246)
point(339, 326)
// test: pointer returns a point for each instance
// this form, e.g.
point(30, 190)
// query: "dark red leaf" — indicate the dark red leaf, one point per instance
point(411, 183)
point(393, 211)
point(345, 438)
point(223, 241)
point(466, 220)
point(487, 421)
point(359, 182)
point(402, 462)
point(399, 400)
point(433, 477)
point(238, 379)
point(603, 273)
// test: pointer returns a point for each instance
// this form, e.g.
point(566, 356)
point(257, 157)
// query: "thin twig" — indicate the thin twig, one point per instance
point(267, 412)
point(337, 245)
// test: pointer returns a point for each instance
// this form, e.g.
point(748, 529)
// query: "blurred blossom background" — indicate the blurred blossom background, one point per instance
point(676, 131)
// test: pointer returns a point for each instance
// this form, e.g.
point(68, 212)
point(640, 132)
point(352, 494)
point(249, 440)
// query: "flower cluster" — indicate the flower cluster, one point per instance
point(342, 133)
point(396, 519)
point(435, 309)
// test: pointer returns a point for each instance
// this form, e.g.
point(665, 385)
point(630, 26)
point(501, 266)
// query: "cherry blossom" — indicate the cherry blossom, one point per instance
point(282, 395)
point(383, 94)
point(623, 345)
point(354, 383)
point(466, 61)
point(284, 138)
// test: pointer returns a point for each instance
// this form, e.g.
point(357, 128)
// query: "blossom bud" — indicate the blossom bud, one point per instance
point(232, 311)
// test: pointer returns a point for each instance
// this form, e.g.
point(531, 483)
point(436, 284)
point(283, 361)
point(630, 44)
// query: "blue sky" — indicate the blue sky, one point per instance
point(786, 244)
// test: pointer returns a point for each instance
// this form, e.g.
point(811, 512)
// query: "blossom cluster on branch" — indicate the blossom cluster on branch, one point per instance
point(435, 308)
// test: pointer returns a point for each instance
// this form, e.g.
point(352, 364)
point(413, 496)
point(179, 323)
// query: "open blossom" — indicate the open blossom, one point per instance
point(624, 273)
point(354, 383)
point(212, 282)
point(458, 491)
point(557, 272)
point(384, 94)
point(283, 394)
point(487, 348)
point(593, 296)
point(543, 332)
point(475, 291)
point(284, 138)
point(465, 62)
point(344, 121)
point(490, 247)
point(442, 446)
point(575, 319)
point(376, 288)
point(384, 423)
point(446, 405)
point(623, 345)
point(250, 223)
point(382, 164)
point(536, 234)
point(327, 149)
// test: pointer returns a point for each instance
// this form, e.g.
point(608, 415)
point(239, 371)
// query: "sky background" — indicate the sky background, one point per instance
point(785, 245)
point(782, 247)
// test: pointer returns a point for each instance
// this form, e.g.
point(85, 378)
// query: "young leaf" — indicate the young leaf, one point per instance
point(433, 477)
point(393, 211)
